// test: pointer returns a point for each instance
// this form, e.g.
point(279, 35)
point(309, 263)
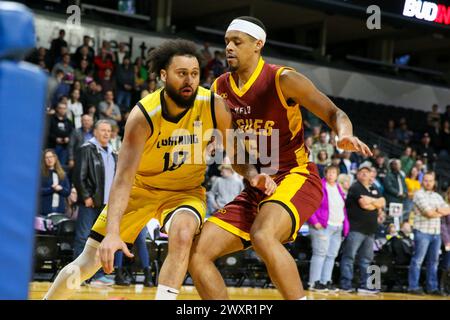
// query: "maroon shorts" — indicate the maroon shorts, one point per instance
point(299, 191)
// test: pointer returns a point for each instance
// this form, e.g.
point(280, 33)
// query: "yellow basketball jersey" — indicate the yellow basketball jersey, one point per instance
point(174, 155)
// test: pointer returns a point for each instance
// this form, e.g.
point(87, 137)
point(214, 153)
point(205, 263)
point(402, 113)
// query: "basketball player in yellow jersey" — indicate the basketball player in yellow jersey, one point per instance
point(159, 172)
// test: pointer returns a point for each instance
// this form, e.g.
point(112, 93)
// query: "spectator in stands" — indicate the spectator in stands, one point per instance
point(139, 79)
point(215, 65)
point(429, 207)
point(446, 115)
point(389, 132)
point(75, 109)
point(62, 88)
point(445, 233)
point(60, 129)
point(323, 144)
point(322, 162)
point(316, 133)
point(311, 121)
point(206, 52)
point(125, 84)
point(142, 71)
point(64, 66)
point(335, 160)
point(308, 145)
point(95, 167)
point(346, 165)
point(207, 83)
point(444, 139)
point(80, 53)
point(225, 188)
point(406, 160)
point(83, 55)
point(91, 98)
point(121, 53)
point(364, 205)
point(413, 185)
point(56, 45)
point(39, 56)
point(72, 205)
point(433, 116)
point(55, 185)
point(402, 245)
point(395, 189)
point(421, 169)
point(375, 153)
point(426, 151)
point(375, 181)
point(380, 165)
point(328, 224)
point(108, 82)
point(83, 74)
point(402, 134)
point(77, 86)
point(345, 181)
point(391, 231)
point(152, 86)
point(79, 137)
point(116, 140)
point(102, 62)
point(121, 279)
point(109, 110)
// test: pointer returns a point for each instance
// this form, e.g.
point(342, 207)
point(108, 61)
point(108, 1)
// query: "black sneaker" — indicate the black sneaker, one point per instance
point(418, 292)
point(121, 278)
point(437, 293)
point(318, 287)
point(347, 289)
point(331, 287)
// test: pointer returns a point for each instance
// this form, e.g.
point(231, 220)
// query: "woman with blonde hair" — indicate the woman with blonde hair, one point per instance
point(55, 186)
point(345, 181)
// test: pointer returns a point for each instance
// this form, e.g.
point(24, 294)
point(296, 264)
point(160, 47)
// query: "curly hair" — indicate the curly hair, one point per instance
point(161, 57)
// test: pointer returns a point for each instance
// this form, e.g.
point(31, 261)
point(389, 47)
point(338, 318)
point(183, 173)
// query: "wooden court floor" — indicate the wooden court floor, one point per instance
point(139, 292)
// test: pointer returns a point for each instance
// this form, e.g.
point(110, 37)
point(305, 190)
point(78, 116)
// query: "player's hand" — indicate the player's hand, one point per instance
point(105, 252)
point(264, 183)
point(318, 226)
point(353, 144)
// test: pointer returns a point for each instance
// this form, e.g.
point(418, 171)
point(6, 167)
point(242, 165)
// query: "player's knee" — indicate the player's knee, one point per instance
point(260, 239)
point(182, 238)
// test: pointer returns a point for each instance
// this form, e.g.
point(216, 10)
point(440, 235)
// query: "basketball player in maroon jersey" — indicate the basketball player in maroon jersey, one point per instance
point(264, 98)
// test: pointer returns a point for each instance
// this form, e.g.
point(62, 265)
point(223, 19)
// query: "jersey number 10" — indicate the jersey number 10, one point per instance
point(178, 159)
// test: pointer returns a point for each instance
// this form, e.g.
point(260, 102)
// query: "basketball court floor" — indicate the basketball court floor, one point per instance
point(139, 292)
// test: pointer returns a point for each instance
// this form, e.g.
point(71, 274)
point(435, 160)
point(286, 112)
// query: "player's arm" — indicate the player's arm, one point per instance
point(248, 171)
point(137, 131)
point(300, 89)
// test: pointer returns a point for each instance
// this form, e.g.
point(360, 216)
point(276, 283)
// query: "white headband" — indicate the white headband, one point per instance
point(249, 28)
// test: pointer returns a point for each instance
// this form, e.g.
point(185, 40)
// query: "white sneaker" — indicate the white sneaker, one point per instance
point(101, 282)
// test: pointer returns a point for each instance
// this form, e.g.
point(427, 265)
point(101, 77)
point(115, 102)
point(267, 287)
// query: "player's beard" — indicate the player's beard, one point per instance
point(182, 102)
point(235, 67)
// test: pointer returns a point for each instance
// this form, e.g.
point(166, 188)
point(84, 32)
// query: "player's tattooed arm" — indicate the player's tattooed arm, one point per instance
point(297, 87)
point(137, 131)
point(227, 129)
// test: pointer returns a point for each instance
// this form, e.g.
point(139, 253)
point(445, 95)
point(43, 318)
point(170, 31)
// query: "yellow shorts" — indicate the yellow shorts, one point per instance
point(145, 204)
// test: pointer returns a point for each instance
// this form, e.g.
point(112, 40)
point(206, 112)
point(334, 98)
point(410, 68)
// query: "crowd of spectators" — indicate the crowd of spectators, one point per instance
point(358, 191)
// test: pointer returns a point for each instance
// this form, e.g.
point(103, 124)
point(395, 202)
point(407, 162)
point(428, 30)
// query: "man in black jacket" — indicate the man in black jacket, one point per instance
point(125, 84)
point(60, 129)
point(79, 137)
point(95, 166)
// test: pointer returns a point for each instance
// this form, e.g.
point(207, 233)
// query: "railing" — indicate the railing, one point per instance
point(385, 145)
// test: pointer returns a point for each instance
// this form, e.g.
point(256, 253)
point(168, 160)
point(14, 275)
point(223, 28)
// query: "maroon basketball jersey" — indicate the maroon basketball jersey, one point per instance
point(259, 108)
